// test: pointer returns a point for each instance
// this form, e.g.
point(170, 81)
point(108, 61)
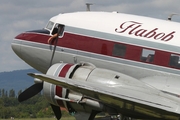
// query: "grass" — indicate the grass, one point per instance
point(63, 118)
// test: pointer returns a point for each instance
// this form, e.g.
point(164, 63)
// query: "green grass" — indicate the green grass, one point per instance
point(63, 118)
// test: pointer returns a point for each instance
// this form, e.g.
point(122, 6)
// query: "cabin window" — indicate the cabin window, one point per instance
point(55, 30)
point(147, 55)
point(174, 61)
point(119, 50)
point(50, 25)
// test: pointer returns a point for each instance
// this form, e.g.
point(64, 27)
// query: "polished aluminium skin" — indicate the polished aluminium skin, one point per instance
point(112, 28)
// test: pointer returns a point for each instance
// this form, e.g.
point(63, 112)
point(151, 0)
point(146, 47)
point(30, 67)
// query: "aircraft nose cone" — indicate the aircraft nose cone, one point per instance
point(16, 46)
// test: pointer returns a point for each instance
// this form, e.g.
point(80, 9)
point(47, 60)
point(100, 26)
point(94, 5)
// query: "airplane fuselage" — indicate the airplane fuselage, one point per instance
point(143, 48)
point(140, 47)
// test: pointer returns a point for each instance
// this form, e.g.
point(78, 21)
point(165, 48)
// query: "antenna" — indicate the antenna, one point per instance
point(170, 16)
point(88, 6)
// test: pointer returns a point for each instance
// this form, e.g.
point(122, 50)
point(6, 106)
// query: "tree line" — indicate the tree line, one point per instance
point(10, 93)
point(35, 107)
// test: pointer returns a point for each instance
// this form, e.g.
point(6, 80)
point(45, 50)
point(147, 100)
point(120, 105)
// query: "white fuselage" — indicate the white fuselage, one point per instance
point(92, 37)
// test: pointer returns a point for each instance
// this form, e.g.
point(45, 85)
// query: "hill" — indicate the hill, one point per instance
point(17, 80)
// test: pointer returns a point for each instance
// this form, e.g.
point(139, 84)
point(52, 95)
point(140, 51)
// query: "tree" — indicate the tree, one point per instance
point(1, 108)
point(20, 91)
point(0, 93)
point(34, 107)
point(6, 94)
point(3, 93)
point(11, 93)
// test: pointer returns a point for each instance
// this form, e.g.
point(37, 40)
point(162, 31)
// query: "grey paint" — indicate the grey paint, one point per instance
point(132, 68)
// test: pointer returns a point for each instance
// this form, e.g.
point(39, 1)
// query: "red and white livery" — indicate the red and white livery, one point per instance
point(106, 62)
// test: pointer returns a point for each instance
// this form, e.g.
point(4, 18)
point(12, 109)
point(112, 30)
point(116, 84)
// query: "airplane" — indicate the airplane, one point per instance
point(111, 62)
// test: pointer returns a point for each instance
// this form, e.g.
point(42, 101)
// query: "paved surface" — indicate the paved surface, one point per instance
point(105, 118)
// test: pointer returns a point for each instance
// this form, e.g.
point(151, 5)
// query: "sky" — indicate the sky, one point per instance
point(17, 16)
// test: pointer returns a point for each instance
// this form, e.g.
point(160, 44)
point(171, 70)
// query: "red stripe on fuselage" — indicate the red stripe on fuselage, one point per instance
point(73, 41)
point(33, 37)
point(98, 46)
point(58, 88)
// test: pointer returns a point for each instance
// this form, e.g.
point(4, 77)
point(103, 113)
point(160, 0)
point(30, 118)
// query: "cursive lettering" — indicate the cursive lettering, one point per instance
point(136, 28)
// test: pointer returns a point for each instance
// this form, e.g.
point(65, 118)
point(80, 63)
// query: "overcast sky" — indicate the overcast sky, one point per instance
point(17, 16)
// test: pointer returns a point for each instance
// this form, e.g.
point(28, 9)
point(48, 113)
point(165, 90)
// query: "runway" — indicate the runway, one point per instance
point(106, 118)
point(103, 118)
